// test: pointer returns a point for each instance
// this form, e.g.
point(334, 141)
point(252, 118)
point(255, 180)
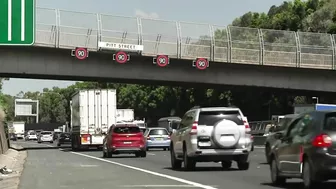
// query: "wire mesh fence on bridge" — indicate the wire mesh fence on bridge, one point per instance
point(220, 44)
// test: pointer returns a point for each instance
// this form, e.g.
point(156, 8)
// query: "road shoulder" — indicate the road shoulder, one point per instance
point(13, 160)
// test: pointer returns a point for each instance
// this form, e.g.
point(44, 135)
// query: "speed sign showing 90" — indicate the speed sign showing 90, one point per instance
point(81, 53)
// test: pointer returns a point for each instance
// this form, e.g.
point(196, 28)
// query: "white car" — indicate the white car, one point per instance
point(45, 136)
point(218, 134)
point(19, 136)
point(31, 136)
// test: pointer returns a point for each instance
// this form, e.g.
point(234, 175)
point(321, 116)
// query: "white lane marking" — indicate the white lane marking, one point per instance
point(151, 154)
point(158, 186)
point(88, 165)
point(259, 147)
point(195, 184)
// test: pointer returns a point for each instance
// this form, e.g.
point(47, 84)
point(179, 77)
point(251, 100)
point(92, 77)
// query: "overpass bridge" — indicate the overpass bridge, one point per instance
point(185, 40)
point(237, 56)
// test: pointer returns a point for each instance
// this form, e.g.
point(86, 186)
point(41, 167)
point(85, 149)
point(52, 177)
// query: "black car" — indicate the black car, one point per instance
point(63, 138)
point(307, 150)
point(12, 137)
point(55, 135)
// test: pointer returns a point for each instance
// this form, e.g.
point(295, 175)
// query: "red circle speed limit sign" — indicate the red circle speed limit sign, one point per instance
point(201, 63)
point(162, 60)
point(121, 57)
point(81, 53)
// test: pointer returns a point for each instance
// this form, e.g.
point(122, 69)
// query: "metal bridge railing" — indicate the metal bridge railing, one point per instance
point(260, 127)
point(221, 44)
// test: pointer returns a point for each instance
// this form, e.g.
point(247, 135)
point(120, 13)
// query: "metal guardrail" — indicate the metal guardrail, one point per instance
point(259, 128)
point(184, 40)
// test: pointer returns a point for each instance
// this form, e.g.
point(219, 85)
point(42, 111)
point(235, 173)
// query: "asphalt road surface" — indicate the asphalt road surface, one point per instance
point(55, 167)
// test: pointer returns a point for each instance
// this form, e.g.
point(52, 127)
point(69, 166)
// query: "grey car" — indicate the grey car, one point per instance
point(45, 136)
point(307, 150)
point(279, 128)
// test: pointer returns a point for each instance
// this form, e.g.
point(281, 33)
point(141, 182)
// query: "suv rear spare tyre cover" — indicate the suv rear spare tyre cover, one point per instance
point(226, 133)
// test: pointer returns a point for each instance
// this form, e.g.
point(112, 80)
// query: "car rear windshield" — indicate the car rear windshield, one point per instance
point(330, 122)
point(45, 133)
point(65, 135)
point(210, 118)
point(158, 132)
point(126, 130)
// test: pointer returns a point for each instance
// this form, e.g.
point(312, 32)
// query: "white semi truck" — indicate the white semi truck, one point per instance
point(92, 113)
point(19, 129)
point(125, 115)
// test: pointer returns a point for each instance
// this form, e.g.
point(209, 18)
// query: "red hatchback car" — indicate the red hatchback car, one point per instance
point(124, 139)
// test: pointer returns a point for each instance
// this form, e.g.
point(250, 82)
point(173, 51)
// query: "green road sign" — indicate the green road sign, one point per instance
point(17, 22)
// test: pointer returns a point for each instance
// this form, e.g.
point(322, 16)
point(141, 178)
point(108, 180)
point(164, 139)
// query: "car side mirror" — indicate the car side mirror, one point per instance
point(278, 135)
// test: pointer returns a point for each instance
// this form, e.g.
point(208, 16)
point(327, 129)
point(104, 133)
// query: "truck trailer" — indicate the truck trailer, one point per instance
point(298, 109)
point(19, 129)
point(125, 115)
point(92, 113)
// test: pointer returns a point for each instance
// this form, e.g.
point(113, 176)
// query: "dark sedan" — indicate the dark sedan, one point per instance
point(306, 150)
point(279, 128)
point(63, 138)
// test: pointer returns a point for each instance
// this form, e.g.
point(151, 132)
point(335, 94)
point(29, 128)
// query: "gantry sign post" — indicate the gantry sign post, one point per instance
point(17, 22)
point(24, 107)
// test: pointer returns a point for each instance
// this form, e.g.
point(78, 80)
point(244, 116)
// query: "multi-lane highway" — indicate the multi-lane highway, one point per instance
point(54, 167)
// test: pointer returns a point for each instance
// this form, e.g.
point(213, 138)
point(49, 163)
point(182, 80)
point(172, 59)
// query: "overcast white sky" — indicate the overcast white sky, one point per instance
point(219, 12)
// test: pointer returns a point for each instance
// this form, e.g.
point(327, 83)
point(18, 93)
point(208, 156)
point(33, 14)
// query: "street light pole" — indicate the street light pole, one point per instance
point(316, 98)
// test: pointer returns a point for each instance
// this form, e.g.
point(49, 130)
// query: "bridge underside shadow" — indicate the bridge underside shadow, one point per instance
point(57, 64)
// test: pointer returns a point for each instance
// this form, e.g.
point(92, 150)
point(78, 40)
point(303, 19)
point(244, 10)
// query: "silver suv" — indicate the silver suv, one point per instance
point(219, 134)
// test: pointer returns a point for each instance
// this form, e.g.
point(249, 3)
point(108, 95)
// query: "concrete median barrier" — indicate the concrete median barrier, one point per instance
point(259, 140)
point(3, 136)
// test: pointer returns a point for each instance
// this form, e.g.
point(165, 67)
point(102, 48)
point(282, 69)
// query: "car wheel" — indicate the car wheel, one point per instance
point(164, 149)
point(308, 182)
point(143, 154)
point(267, 151)
point(243, 162)
point(58, 144)
point(104, 151)
point(175, 163)
point(276, 179)
point(109, 154)
point(51, 142)
point(226, 164)
point(243, 165)
point(188, 163)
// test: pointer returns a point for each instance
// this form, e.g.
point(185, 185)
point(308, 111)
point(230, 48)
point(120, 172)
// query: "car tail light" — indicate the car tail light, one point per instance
point(247, 127)
point(193, 130)
point(246, 124)
point(168, 137)
point(86, 138)
point(148, 138)
point(322, 141)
